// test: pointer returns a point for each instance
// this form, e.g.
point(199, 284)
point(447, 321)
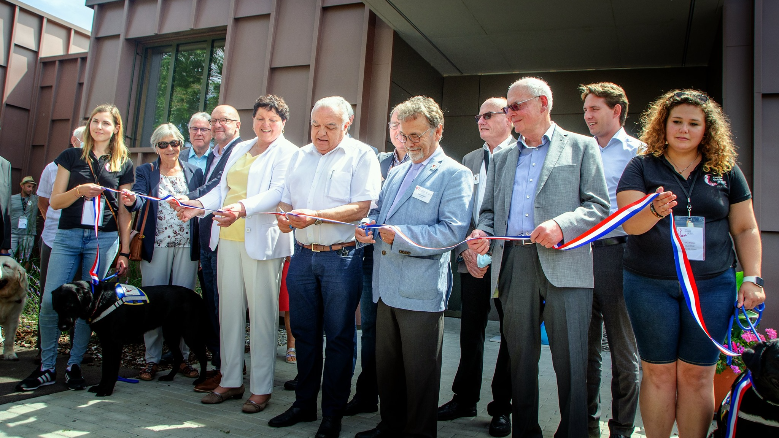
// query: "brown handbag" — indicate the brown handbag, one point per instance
point(137, 241)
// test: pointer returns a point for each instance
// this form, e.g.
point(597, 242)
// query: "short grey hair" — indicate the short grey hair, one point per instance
point(336, 103)
point(536, 87)
point(166, 130)
point(199, 116)
point(79, 132)
point(421, 106)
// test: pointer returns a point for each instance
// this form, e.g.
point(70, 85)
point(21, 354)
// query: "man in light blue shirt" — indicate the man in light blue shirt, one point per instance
point(200, 140)
point(605, 111)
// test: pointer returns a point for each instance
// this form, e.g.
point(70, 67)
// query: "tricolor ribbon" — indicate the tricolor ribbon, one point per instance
point(165, 198)
point(95, 270)
point(736, 397)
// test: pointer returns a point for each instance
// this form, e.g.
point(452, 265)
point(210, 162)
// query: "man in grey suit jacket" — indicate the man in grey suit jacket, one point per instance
point(495, 129)
point(550, 187)
point(428, 200)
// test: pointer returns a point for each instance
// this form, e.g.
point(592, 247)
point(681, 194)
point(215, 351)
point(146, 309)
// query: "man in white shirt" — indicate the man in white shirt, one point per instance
point(605, 111)
point(495, 129)
point(334, 177)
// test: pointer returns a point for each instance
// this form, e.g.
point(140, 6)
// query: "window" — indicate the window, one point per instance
point(178, 81)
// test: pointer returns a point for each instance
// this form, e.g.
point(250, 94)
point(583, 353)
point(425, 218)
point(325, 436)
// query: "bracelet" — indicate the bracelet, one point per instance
point(124, 254)
point(654, 212)
point(78, 193)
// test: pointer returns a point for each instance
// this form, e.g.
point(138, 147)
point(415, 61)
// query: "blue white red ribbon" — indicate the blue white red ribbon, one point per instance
point(165, 198)
point(736, 397)
point(94, 271)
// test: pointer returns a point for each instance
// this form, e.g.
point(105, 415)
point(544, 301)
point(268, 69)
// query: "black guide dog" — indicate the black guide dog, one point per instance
point(180, 311)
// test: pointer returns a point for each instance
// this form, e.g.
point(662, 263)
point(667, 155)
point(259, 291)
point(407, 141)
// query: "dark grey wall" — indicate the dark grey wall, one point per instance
point(463, 95)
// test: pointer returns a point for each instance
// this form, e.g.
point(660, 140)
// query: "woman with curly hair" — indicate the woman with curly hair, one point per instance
point(690, 160)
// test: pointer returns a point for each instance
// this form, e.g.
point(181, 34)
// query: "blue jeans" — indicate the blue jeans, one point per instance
point(211, 297)
point(367, 389)
point(71, 247)
point(664, 327)
point(324, 288)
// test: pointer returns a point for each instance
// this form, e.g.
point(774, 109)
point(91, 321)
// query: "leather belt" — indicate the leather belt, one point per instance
point(321, 248)
point(519, 242)
point(610, 241)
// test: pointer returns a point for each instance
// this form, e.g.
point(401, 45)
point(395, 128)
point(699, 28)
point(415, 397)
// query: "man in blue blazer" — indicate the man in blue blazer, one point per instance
point(429, 201)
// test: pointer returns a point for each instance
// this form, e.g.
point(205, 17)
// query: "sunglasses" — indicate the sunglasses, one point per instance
point(487, 115)
point(516, 105)
point(702, 98)
point(165, 144)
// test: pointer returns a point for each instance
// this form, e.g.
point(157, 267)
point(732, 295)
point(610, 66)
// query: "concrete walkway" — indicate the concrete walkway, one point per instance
point(161, 409)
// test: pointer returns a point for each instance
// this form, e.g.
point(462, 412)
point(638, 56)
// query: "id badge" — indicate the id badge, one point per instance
point(22, 223)
point(692, 232)
point(88, 212)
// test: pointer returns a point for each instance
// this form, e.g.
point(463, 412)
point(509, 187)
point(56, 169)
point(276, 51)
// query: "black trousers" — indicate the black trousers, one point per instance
point(476, 296)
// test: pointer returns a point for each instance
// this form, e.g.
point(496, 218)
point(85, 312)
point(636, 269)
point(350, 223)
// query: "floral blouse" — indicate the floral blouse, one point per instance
point(171, 232)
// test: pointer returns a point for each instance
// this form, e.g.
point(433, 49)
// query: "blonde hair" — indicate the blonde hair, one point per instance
point(117, 151)
point(717, 147)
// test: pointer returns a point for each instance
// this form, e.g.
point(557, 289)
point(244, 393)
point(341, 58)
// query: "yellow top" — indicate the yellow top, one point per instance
point(237, 180)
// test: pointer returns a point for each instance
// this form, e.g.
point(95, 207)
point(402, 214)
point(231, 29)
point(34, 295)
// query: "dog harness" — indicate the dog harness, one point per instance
point(125, 294)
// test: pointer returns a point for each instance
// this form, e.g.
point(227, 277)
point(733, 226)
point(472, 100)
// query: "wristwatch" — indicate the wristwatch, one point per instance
point(754, 279)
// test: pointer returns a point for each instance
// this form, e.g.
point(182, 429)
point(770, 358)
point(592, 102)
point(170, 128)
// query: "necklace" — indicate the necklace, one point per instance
point(677, 167)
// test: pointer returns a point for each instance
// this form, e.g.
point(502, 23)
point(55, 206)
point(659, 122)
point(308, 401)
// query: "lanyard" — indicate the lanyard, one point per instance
point(24, 205)
point(689, 194)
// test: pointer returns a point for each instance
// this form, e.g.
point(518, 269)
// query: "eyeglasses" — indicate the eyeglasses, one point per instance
point(702, 98)
point(201, 130)
point(223, 121)
point(487, 115)
point(165, 144)
point(415, 138)
point(516, 105)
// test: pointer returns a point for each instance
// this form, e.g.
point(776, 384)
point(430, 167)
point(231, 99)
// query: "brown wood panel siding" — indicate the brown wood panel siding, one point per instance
point(175, 15)
point(104, 57)
point(213, 13)
point(21, 77)
point(14, 140)
point(380, 78)
point(250, 8)
point(28, 30)
point(246, 58)
point(294, 33)
point(55, 40)
point(337, 67)
point(65, 97)
point(42, 112)
point(291, 83)
point(7, 18)
point(142, 19)
point(48, 74)
point(770, 48)
point(769, 162)
point(109, 19)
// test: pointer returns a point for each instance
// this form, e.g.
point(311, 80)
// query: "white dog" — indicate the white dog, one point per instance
point(13, 296)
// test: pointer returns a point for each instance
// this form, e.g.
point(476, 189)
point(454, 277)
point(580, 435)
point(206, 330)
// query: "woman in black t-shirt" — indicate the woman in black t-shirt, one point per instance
point(690, 160)
point(81, 174)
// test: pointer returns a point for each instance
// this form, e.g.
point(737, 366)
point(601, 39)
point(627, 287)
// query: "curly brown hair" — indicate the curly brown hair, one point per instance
point(717, 147)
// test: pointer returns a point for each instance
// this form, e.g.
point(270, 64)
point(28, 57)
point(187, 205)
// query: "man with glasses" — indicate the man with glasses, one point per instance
point(549, 187)
point(605, 111)
point(225, 125)
point(366, 397)
point(495, 129)
point(429, 201)
point(334, 178)
point(200, 141)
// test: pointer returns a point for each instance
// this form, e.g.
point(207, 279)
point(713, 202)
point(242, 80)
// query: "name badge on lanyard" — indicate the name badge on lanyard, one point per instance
point(692, 232)
point(22, 223)
point(88, 212)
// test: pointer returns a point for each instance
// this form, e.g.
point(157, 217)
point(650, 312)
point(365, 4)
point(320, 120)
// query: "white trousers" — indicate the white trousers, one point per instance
point(244, 281)
point(168, 266)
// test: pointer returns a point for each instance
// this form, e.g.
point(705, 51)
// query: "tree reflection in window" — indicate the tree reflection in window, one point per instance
point(173, 91)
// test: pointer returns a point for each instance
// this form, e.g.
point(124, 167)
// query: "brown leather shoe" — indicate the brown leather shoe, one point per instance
point(250, 407)
point(210, 384)
point(213, 398)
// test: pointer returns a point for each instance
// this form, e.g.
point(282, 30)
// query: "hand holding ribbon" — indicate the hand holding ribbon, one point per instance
point(362, 236)
point(548, 234)
point(301, 218)
point(89, 190)
point(229, 214)
point(186, 213)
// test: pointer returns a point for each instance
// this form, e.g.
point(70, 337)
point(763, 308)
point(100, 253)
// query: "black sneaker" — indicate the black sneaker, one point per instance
point(73, 378)
point(37, 379)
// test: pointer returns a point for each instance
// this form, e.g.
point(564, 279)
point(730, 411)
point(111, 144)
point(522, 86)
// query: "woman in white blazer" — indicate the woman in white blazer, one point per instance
point(251, 252)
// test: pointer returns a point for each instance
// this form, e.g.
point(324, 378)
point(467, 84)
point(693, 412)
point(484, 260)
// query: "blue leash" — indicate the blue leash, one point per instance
point(751, 326)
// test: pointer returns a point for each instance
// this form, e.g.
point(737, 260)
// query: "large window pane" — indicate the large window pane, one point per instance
point(185, 99)
point(215, 76)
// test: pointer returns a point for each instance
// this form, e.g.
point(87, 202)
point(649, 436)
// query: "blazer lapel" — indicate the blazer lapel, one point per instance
point(155, 176)
point(556, 148)
point(432, 166)
point(507, 174)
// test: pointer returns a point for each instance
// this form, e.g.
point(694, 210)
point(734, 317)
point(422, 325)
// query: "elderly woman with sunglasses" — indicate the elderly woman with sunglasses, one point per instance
point(169, 251)
point(690, 159)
